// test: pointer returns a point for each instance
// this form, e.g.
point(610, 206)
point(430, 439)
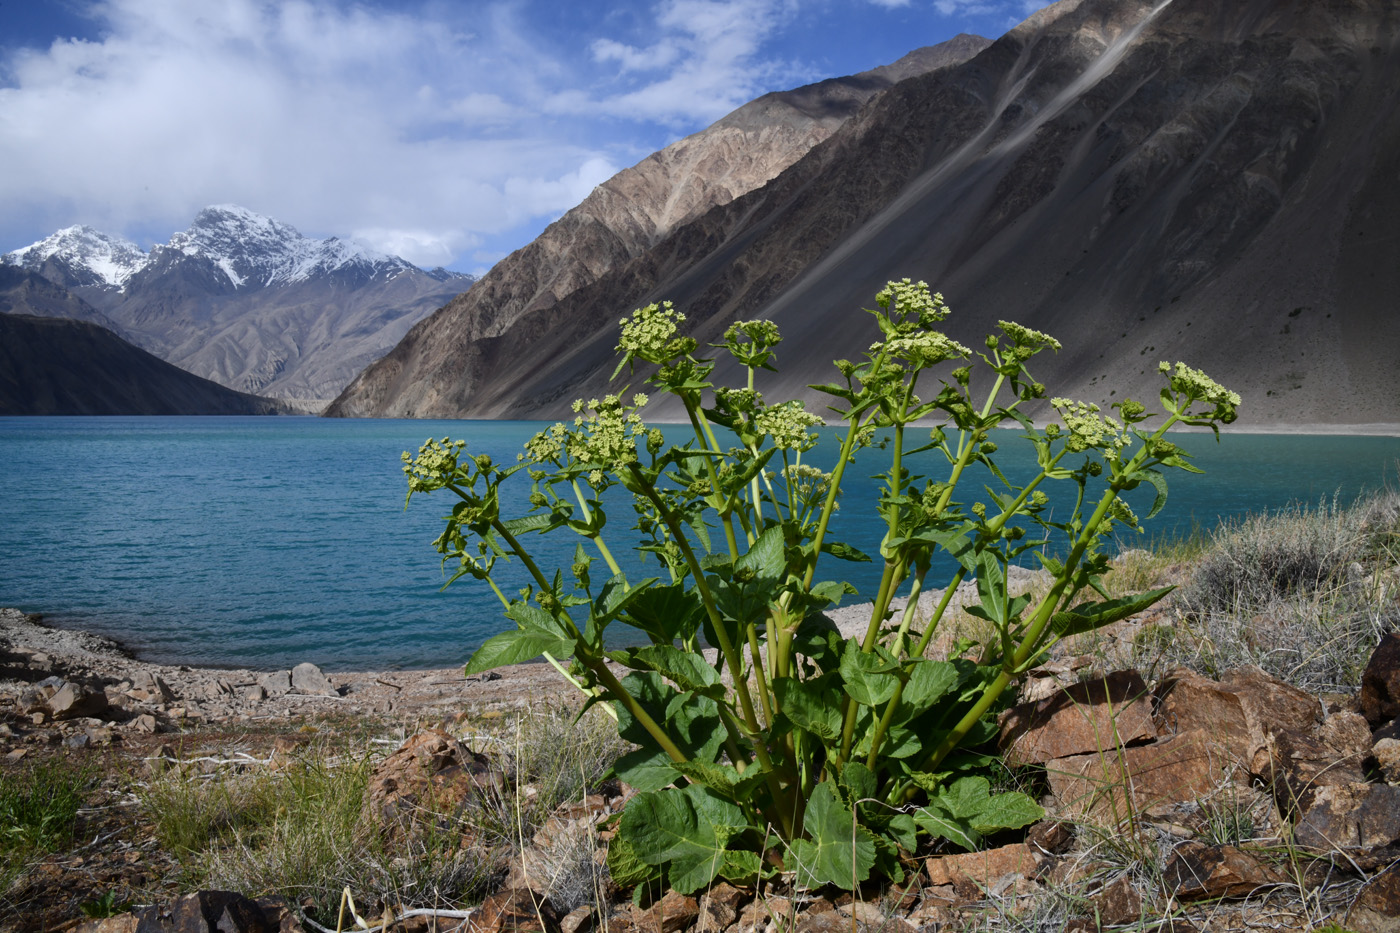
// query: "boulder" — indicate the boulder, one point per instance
point(1198, 871)
point(75, 701)
point(1380, 683)
point(1240, 711)
point(204, 912)
point(1294, 765)
point(1351, 816)
point(1089, 717)
point(307, 678)
point(429, 777)
point(1112, 788)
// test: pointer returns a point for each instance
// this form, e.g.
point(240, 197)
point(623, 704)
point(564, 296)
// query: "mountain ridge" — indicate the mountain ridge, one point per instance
point(1116, 170)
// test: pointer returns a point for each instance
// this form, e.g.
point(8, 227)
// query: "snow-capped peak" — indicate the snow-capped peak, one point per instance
point(91, 256)
point(255, 250)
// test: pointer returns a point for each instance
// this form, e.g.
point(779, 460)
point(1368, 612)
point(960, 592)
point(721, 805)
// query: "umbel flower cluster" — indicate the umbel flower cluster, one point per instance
point(857, 754)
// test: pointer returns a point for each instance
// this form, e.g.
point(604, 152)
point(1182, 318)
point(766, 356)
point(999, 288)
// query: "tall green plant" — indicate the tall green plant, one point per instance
point(833, 756)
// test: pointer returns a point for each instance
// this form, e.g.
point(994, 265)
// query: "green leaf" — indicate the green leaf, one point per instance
point(868, 676)
point(809, 706)
point(839, 852)
point(516, 647)
point(844, 552)
point(687, 830)
point(666, 613)
point(685, 669)
point(965, 810)
point(625, 869)
point(766, 559)
point(1010, 810)
point(724, 780)
point(1087, 617)
point(646, 769)
point(1159, 482)
point(929, 682)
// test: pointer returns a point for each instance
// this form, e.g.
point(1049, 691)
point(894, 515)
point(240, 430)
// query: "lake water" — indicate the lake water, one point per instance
point(264, 542)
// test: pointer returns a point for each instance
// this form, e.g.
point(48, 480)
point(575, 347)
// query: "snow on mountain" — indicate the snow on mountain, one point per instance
point(252, 250)
point(90, 257)
point(257, 251)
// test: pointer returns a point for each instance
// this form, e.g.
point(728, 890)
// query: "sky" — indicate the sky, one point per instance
point(448, 132)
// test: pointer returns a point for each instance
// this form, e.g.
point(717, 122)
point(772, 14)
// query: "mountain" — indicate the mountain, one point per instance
point(1216, 181)
point(60, 366)
point(248, 301)
point(25, 292)
point(619, 222)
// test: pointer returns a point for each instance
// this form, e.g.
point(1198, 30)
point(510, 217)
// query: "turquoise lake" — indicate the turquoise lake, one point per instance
point(263, 542)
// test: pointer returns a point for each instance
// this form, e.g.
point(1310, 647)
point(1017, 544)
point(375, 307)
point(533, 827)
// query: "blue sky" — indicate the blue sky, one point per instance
point(449, 133)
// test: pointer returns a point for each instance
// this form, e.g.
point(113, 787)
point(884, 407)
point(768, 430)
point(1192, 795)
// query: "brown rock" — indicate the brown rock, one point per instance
point(673, 913)
point(1350, 816)
point(719, 907)
point(863, 912)
point(1380, 683)
point(430, 776)
point(205, 912)
point(1387, 755)
point(971, 873)
point(1093, 716)
point(579, 920)
point(125, 923)
point(1173, 770)
point(515, 910)
point(1051, 836)
point(1239, 711)
point(74, 701)
point(1118, 904)
point(1295, 765)
point(1199, 871)
point(1377, 906)
point(829, 921)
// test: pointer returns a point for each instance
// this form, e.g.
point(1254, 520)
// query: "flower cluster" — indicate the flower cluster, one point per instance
point(606, 433)
point(808, 484)
point(913, 298)
point(788, 425)
point(927, 348)
point(650, 334)
point(752, 342)
point(434, 466)
point(1087, 428)
point(1026, 338)
point(1197, 386)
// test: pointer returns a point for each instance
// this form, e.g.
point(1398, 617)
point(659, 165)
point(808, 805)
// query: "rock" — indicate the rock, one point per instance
point(429, 777)
point(73, 700)
point(1387, 755)
point(1110, 788)
point(579, 920)
point(1380, 683)
point(515, 910)
point(307, 678)
point(1050, 836)
point(971, 873)
point(1240, 710)
point(1351, 816)
point(276, 683)
point(255, 694)
point(35, 697)
point(78, 740)
point(144, 723)
point(719, 906)
point(1118, 904)
point(1092, 716)
point(123, 923)
point(863, 912)
point(1198, 871)
point(672, 914)
point(1377, 906)
point(205, 912)
point(1294, 765)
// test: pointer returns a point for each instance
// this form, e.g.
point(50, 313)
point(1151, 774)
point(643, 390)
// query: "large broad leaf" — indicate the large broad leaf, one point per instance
point(515, 648)
point(966, 810)
point(692, 723)
point(724, 780)
point(1086, 617)
point(929, 682)
point(765, 561)
point(868, 677)
point(646, 769)
point(665, 613)
point(839, 852)
point(687, 830)
point(685, 669)
point(810, 705)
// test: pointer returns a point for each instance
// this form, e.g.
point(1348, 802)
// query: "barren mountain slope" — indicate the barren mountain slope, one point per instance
point(619, 221)
point(60, 366)
point(1215, 182)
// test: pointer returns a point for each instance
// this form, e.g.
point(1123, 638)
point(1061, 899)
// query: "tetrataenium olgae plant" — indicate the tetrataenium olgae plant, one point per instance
point(794, 747)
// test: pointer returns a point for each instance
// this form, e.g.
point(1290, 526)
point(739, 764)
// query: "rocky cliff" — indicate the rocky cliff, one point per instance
point(1217, 182)
point(620, 221)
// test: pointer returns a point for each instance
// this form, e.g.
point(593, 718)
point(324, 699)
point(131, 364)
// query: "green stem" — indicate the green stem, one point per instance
point(597, 539)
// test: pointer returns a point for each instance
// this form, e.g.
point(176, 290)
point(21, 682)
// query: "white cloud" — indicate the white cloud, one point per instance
point(334, 118)
point(891, 4)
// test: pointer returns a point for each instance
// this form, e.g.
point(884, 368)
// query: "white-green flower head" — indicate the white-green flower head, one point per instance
point(926, 348)
point(908, 299)
point(788, 425)
point(808, 483)
point(1087, 428)
point(1197, 386)
point(752, 342)
point(1121, 512)
point(434, 465)
point(608, 432)
point(1026, 338)
point(648, 333)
